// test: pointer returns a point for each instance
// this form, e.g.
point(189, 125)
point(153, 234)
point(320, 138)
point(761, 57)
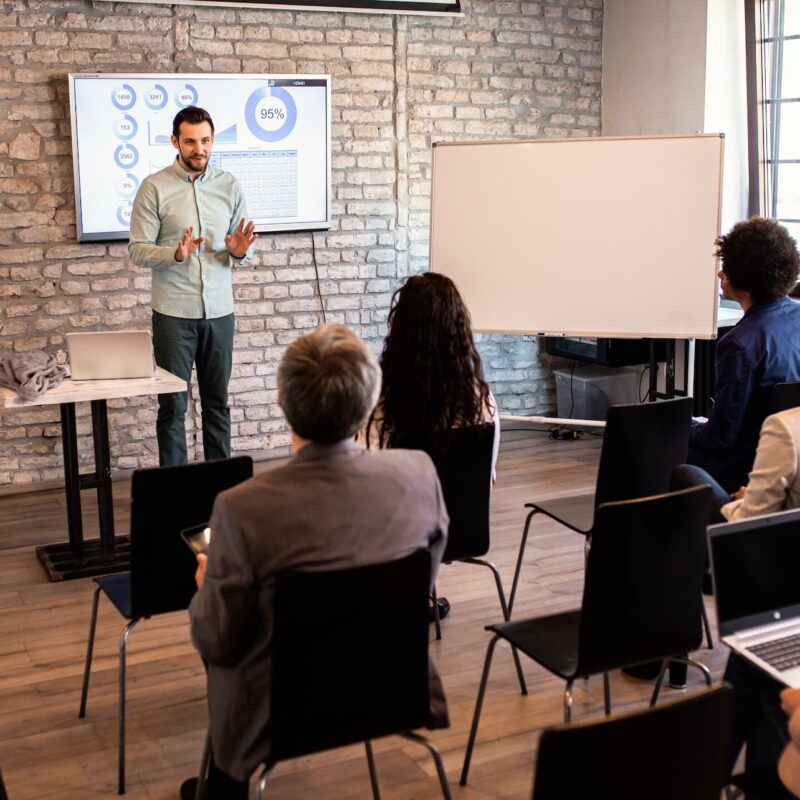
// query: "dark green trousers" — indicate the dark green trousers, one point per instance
point(208, 343)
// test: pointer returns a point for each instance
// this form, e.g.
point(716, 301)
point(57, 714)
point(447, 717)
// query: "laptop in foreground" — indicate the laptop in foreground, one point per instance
point(756, 570)
point(100, 355)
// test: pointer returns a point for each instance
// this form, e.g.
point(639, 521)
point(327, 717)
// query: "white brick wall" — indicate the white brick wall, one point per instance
point(503, 69)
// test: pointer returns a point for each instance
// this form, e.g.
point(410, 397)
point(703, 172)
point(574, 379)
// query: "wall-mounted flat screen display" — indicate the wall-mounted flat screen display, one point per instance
point(271, 131)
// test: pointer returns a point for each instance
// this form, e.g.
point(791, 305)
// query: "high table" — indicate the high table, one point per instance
point(78, 558)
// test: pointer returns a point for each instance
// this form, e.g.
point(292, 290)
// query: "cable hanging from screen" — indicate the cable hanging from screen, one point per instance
point(316, 273)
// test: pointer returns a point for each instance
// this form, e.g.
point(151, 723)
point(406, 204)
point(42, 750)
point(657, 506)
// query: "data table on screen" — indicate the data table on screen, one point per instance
point(269, 180)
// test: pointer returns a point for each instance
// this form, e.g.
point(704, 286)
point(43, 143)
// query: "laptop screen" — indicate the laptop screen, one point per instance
point(756, 567)
point(105, 355)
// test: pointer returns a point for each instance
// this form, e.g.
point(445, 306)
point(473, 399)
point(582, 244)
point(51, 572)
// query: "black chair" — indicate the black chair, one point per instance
point(463, 460)
point(350, 661)
point(641, 599)
point(784, 396)
point(641, 446)
point(164, 501)
point(665, 753)
point(3, 795)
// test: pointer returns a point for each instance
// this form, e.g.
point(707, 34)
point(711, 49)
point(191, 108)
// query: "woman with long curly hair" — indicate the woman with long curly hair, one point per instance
point(432, 374)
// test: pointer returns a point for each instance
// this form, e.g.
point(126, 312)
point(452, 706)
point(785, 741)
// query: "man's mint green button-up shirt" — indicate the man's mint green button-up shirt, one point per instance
point(166, 204)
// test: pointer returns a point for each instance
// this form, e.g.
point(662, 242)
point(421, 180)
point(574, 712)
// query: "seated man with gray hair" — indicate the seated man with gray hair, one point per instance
point(334, 505)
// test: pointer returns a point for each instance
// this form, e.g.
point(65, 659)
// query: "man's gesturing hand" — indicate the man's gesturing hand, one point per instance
point(187, 245)
point(238, 241)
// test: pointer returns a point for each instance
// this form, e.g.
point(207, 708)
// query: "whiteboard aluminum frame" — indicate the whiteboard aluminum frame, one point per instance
point(539, 332)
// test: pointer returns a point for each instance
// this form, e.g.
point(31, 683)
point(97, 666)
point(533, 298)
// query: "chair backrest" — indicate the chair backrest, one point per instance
point(349, 655)
point(164, 501)
point(463, 460)
point(3, 795)
point(644, 578)
point(784, 395)
point(642, 444)
point(672, 751)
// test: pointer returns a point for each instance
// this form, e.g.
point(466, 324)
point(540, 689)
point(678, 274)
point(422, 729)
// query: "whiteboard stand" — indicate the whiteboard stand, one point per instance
point(588, 423)
point(669, 392)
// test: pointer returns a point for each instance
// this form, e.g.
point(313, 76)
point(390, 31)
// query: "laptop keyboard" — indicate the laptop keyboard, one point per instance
point(783, 653)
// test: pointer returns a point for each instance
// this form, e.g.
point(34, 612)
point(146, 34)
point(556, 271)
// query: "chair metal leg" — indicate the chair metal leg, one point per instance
point(568, 702)
point(478, 706)
point(373, 773)
point(659, 682)
point(691, 662)
point(497, 580)
point(436, 621)
point(123, 641)
point(706, 625)
point(437, 759)
point(89, 652)
point(520, 556)
point(607, 693)
point(202, 775)
point(262, 781)
point(506, 616)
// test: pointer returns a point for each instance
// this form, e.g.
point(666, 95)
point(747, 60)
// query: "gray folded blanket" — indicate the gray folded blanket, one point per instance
point(30, 374)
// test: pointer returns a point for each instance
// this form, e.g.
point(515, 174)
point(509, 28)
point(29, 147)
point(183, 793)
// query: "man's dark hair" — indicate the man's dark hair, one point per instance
point(759, 256)
point(194, 116)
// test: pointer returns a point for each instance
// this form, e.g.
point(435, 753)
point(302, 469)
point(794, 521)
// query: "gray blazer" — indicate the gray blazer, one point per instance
point(330, 507)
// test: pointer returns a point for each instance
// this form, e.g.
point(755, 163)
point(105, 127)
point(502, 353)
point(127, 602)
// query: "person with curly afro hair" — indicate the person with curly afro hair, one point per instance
point(760, 266)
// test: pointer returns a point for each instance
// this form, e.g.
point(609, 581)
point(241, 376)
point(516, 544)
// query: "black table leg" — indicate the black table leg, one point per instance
point(102, 465)
point(72, 479)
point(78, 558)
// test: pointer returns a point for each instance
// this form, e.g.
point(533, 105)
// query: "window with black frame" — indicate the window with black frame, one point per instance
point(774, 109)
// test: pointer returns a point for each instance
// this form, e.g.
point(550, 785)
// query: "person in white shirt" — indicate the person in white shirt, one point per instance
point(774, 482)
point(773, 485)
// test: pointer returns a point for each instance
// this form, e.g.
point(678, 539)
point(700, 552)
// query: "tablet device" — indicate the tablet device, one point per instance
point(197, 537)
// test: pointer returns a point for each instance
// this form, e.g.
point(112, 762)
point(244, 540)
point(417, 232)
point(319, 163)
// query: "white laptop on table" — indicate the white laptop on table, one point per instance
point(100, 355)
point(756, 569)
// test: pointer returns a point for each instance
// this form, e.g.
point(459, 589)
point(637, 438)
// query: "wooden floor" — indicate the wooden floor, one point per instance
point(47, 752)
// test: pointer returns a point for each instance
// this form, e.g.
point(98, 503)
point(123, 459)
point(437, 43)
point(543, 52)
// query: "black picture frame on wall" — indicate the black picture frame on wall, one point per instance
point(432, 7)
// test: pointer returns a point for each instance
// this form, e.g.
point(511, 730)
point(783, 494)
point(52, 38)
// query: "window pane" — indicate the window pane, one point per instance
point(790, 131)
point(791, 20)
point(791, 68)
point(794, 229)
point(789, 192)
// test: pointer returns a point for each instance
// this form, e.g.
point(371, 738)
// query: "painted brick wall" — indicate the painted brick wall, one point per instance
point(503, 69)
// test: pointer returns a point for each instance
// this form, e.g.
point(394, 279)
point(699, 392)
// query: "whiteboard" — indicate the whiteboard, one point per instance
point(610, 236)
